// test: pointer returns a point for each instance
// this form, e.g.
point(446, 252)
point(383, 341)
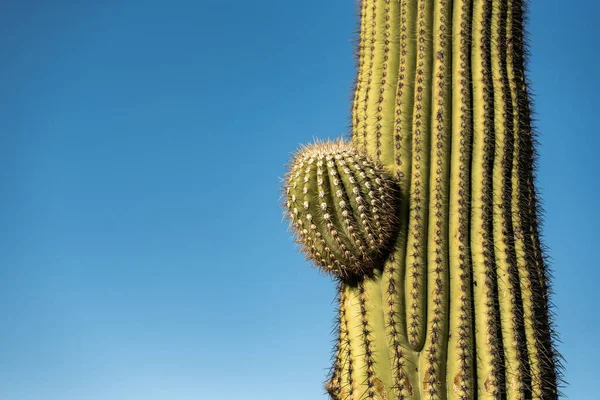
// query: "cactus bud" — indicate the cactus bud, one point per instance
point(328, 185)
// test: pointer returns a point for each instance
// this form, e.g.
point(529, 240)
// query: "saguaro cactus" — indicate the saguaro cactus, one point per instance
point(457, 306)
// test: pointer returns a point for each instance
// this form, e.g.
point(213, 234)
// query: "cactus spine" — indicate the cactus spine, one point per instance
point(458, 308)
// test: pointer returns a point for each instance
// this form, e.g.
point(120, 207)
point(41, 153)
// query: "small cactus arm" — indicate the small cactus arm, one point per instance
point(343, 207)
point(429, 217)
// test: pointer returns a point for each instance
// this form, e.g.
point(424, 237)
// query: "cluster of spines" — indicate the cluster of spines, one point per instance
point(468, 270)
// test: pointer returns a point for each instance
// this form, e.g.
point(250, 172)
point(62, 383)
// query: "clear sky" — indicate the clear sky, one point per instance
point(142, 249)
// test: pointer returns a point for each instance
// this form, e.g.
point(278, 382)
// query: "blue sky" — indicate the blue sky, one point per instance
point(142, 249)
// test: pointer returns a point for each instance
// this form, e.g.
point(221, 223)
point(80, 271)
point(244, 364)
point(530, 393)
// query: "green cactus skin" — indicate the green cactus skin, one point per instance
point(460, 307)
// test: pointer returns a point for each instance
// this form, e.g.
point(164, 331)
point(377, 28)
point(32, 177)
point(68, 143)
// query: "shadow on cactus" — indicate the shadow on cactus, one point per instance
point(429, 218)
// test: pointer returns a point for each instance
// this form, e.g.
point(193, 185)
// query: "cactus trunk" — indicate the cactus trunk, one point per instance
point(459, 309)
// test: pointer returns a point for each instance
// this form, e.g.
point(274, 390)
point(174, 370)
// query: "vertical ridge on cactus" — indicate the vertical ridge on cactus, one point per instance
point(456, 304)
point(461, 343)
